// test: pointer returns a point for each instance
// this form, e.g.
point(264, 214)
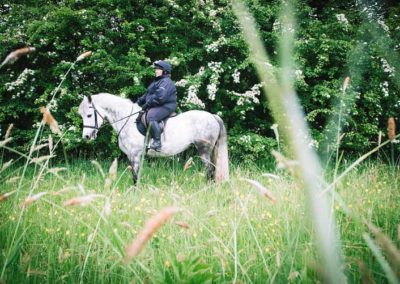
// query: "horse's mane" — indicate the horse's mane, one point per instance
point(112, 98)
point(113, 101)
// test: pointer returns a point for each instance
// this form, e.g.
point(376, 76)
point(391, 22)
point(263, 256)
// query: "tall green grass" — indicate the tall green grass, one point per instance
point(234, 233)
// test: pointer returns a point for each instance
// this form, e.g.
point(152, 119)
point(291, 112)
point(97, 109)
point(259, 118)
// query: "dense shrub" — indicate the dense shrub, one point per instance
point(211, 67)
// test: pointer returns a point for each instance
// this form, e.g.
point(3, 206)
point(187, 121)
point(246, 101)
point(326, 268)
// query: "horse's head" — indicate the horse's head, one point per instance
point(92, 118)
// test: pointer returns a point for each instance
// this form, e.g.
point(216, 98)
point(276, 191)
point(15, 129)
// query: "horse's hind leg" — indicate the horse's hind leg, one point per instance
point(205, 150)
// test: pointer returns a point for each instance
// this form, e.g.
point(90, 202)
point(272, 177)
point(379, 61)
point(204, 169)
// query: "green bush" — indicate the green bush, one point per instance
point(211, 67)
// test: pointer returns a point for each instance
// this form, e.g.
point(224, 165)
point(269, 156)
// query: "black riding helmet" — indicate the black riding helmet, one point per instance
point(163, 65)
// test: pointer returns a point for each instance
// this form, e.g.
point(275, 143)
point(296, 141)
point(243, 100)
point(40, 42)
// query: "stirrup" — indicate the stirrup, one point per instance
point(156, 146)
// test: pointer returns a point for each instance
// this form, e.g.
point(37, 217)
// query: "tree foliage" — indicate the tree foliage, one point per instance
point(202, 40)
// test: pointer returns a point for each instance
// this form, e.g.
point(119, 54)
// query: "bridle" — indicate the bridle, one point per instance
point(97, 113)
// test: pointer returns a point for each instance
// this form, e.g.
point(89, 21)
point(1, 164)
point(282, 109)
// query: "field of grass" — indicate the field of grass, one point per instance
point(222, 233)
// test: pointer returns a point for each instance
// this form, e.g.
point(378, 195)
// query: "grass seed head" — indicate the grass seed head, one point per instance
point(6, 165)
point(391, 128)
point(150, 228)
point(49, 119)
point(387, 245)
point(262, 190)
point(42, 159)
point(113, 170)
point(5, 141)
point(345, 84)
point(182, 224)
point(6, 195)
point(99, 168)
point(188, 164)
point(33, 198)
point(8, 132)
point(50, 140)
point(82, 200)
point(17, 54)
point(84, 55)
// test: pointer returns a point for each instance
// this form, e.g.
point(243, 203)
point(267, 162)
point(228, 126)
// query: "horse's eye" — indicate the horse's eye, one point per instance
point(89, 115)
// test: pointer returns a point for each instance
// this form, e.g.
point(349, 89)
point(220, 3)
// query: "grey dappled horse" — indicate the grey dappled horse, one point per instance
point(203, 129)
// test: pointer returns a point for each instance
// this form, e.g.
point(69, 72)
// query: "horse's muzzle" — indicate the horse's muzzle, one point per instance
point(90, 136)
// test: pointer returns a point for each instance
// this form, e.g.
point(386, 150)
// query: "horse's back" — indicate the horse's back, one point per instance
point(193, 125)
point(195, 119)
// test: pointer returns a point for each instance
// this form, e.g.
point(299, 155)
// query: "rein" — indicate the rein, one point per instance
point(96, 126)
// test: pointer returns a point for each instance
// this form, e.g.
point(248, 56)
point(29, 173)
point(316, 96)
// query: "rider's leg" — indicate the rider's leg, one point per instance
point(154, 115)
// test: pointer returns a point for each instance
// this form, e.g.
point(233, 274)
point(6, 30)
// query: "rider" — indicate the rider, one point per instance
point(159, 101)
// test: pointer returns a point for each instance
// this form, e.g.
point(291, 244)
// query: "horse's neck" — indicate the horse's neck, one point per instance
point(118, 112)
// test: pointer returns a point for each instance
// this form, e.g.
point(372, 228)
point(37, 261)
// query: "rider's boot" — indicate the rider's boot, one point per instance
point(155, 131)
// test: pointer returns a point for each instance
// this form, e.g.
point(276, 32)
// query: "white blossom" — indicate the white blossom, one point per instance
point(214, 47)
point(387, 68)
point(342, 19)
point(22, 78)
point(385, 88)
point(136, 81)
point(215, 67)
point(181, 83)
point(201, 71)
point(236, 76)
point(192, 97)
point(298, 74)
point(383, 25)
point(174, 61)
point(249, 96)
point(212, 90)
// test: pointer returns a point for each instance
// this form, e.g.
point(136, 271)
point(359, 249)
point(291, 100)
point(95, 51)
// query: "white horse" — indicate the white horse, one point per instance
point(203, 129)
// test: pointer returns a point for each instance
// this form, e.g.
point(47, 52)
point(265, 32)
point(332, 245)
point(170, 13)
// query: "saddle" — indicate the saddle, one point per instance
point(142, 125)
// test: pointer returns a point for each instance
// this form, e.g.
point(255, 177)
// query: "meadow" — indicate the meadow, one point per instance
point(221, 233)
point(300, 218)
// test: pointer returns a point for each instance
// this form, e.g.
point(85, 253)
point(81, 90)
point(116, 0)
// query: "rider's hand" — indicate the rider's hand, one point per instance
point(145, 106)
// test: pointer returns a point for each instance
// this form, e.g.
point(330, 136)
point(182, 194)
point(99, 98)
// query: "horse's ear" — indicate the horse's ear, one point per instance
point(89, 98)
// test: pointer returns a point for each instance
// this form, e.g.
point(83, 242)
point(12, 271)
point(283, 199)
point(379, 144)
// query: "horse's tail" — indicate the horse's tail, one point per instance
point(220, 153)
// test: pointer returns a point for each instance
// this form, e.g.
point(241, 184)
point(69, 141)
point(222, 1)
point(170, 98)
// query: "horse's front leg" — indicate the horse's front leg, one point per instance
point(135, 164)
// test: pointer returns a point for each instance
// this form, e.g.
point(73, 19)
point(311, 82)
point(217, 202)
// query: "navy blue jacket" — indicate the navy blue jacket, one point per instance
point(161, 92)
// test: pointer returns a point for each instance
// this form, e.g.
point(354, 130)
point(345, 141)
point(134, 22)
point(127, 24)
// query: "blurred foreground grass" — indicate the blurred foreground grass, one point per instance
point(223, 233)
